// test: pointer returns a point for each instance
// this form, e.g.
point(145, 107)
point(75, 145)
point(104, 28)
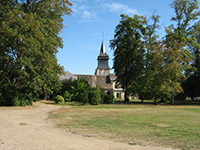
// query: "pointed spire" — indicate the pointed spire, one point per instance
point(103, 49)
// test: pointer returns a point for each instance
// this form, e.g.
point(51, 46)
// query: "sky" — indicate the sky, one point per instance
point(95, 20)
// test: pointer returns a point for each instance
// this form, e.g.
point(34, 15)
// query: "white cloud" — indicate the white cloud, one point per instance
point(120, 8)
point(76, 9)
point(85, 14)
point(88, 16)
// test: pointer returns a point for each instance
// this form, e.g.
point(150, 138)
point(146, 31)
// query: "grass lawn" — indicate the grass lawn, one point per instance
point(168, 126)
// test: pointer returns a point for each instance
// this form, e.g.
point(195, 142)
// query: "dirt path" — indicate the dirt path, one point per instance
point(29, 129)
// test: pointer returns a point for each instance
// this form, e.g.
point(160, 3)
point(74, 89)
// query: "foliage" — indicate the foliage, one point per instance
point(66, 86)
point(195, 48)
point(102, 94)
point(152, 68)
point(20, 100)
point(77, 88)
point(94, 97)
point(83, 97)
point(67, 96)
point(80, 89)
point(109, 99)
point(179, 41)
point(191, 86)
point(129, 50)
point(29, 42)
point(59, 99)
point(146, 87)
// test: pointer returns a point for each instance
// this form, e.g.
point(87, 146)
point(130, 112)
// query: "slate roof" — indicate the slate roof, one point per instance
point(67, 75)
point(103, 53)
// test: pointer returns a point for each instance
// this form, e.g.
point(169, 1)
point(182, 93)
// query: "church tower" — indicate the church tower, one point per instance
point(102, 69)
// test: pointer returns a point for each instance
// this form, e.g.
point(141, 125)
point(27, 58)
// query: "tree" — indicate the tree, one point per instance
point(191, 85)
point(144, 88)
point(28, 44)
point(162, 64)
point(195, 47)
point(128, 51)
point(178, 36)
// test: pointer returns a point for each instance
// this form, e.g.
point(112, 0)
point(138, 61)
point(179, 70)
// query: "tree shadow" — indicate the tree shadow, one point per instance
point(165, 103)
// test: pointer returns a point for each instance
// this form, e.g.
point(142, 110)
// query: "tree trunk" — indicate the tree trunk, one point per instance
point(44, 94)
point(154, 101)
point(126, 99)
point(172, 99)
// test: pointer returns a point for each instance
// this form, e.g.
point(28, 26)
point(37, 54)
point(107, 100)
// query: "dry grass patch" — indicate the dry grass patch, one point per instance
point(170, 126)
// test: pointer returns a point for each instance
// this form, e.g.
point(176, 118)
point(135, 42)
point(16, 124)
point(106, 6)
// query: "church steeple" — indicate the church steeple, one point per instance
point(103, 49)
point(102, 69)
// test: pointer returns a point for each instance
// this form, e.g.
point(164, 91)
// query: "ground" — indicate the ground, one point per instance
point(29, 128)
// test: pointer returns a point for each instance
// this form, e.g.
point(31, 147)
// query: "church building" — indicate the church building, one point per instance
point(102, 77)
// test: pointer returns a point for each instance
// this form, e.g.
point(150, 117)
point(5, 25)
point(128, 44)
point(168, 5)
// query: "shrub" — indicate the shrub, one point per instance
point(83, 97)
point(94, 97)
point(22, 99)
point(21, 102)
point(102, 93)
point(59, 99)
point(77, 88)
point(16, 98)
point(67, 96)
point(109, 99)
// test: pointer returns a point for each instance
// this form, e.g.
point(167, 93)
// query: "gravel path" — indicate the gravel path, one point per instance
point(29, 129)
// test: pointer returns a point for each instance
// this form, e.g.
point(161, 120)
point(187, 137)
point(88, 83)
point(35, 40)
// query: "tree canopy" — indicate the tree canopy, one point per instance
point(128, 50)
point(29, 42)
point(155, 68)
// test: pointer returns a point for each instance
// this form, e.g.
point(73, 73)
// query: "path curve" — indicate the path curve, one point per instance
point(29, 129)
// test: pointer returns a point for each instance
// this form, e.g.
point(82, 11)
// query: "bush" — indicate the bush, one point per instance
point(21, 102)
point(59, 99)
point(17, 98)
point(67, 96)
point(22, 99)
point(94, 97)
point(83, 97)
point(109, 99)
point(77, 88)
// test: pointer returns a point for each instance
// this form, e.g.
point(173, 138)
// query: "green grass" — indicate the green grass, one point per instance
point(168, 126)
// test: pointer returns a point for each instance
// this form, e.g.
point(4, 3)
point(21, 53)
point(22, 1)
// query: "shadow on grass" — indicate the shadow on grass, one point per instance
point(150, 102)
point(121, 102)
point(52, 102)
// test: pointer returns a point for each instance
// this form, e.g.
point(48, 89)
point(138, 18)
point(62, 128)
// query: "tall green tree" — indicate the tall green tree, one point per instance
point(191, 85)
point(144, 87)
point(129, 51)
point(195, 46)
point(178, 35)
point(29, 42)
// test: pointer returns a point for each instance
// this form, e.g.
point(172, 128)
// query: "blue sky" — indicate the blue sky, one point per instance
point(82, 32)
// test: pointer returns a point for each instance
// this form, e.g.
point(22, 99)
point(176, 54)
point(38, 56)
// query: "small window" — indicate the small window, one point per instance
point(108, 93)
point(108, 79)
point(118, 95)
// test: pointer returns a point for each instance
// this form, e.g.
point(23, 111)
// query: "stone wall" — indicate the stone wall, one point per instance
point(98, 81)
point(106, 83)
